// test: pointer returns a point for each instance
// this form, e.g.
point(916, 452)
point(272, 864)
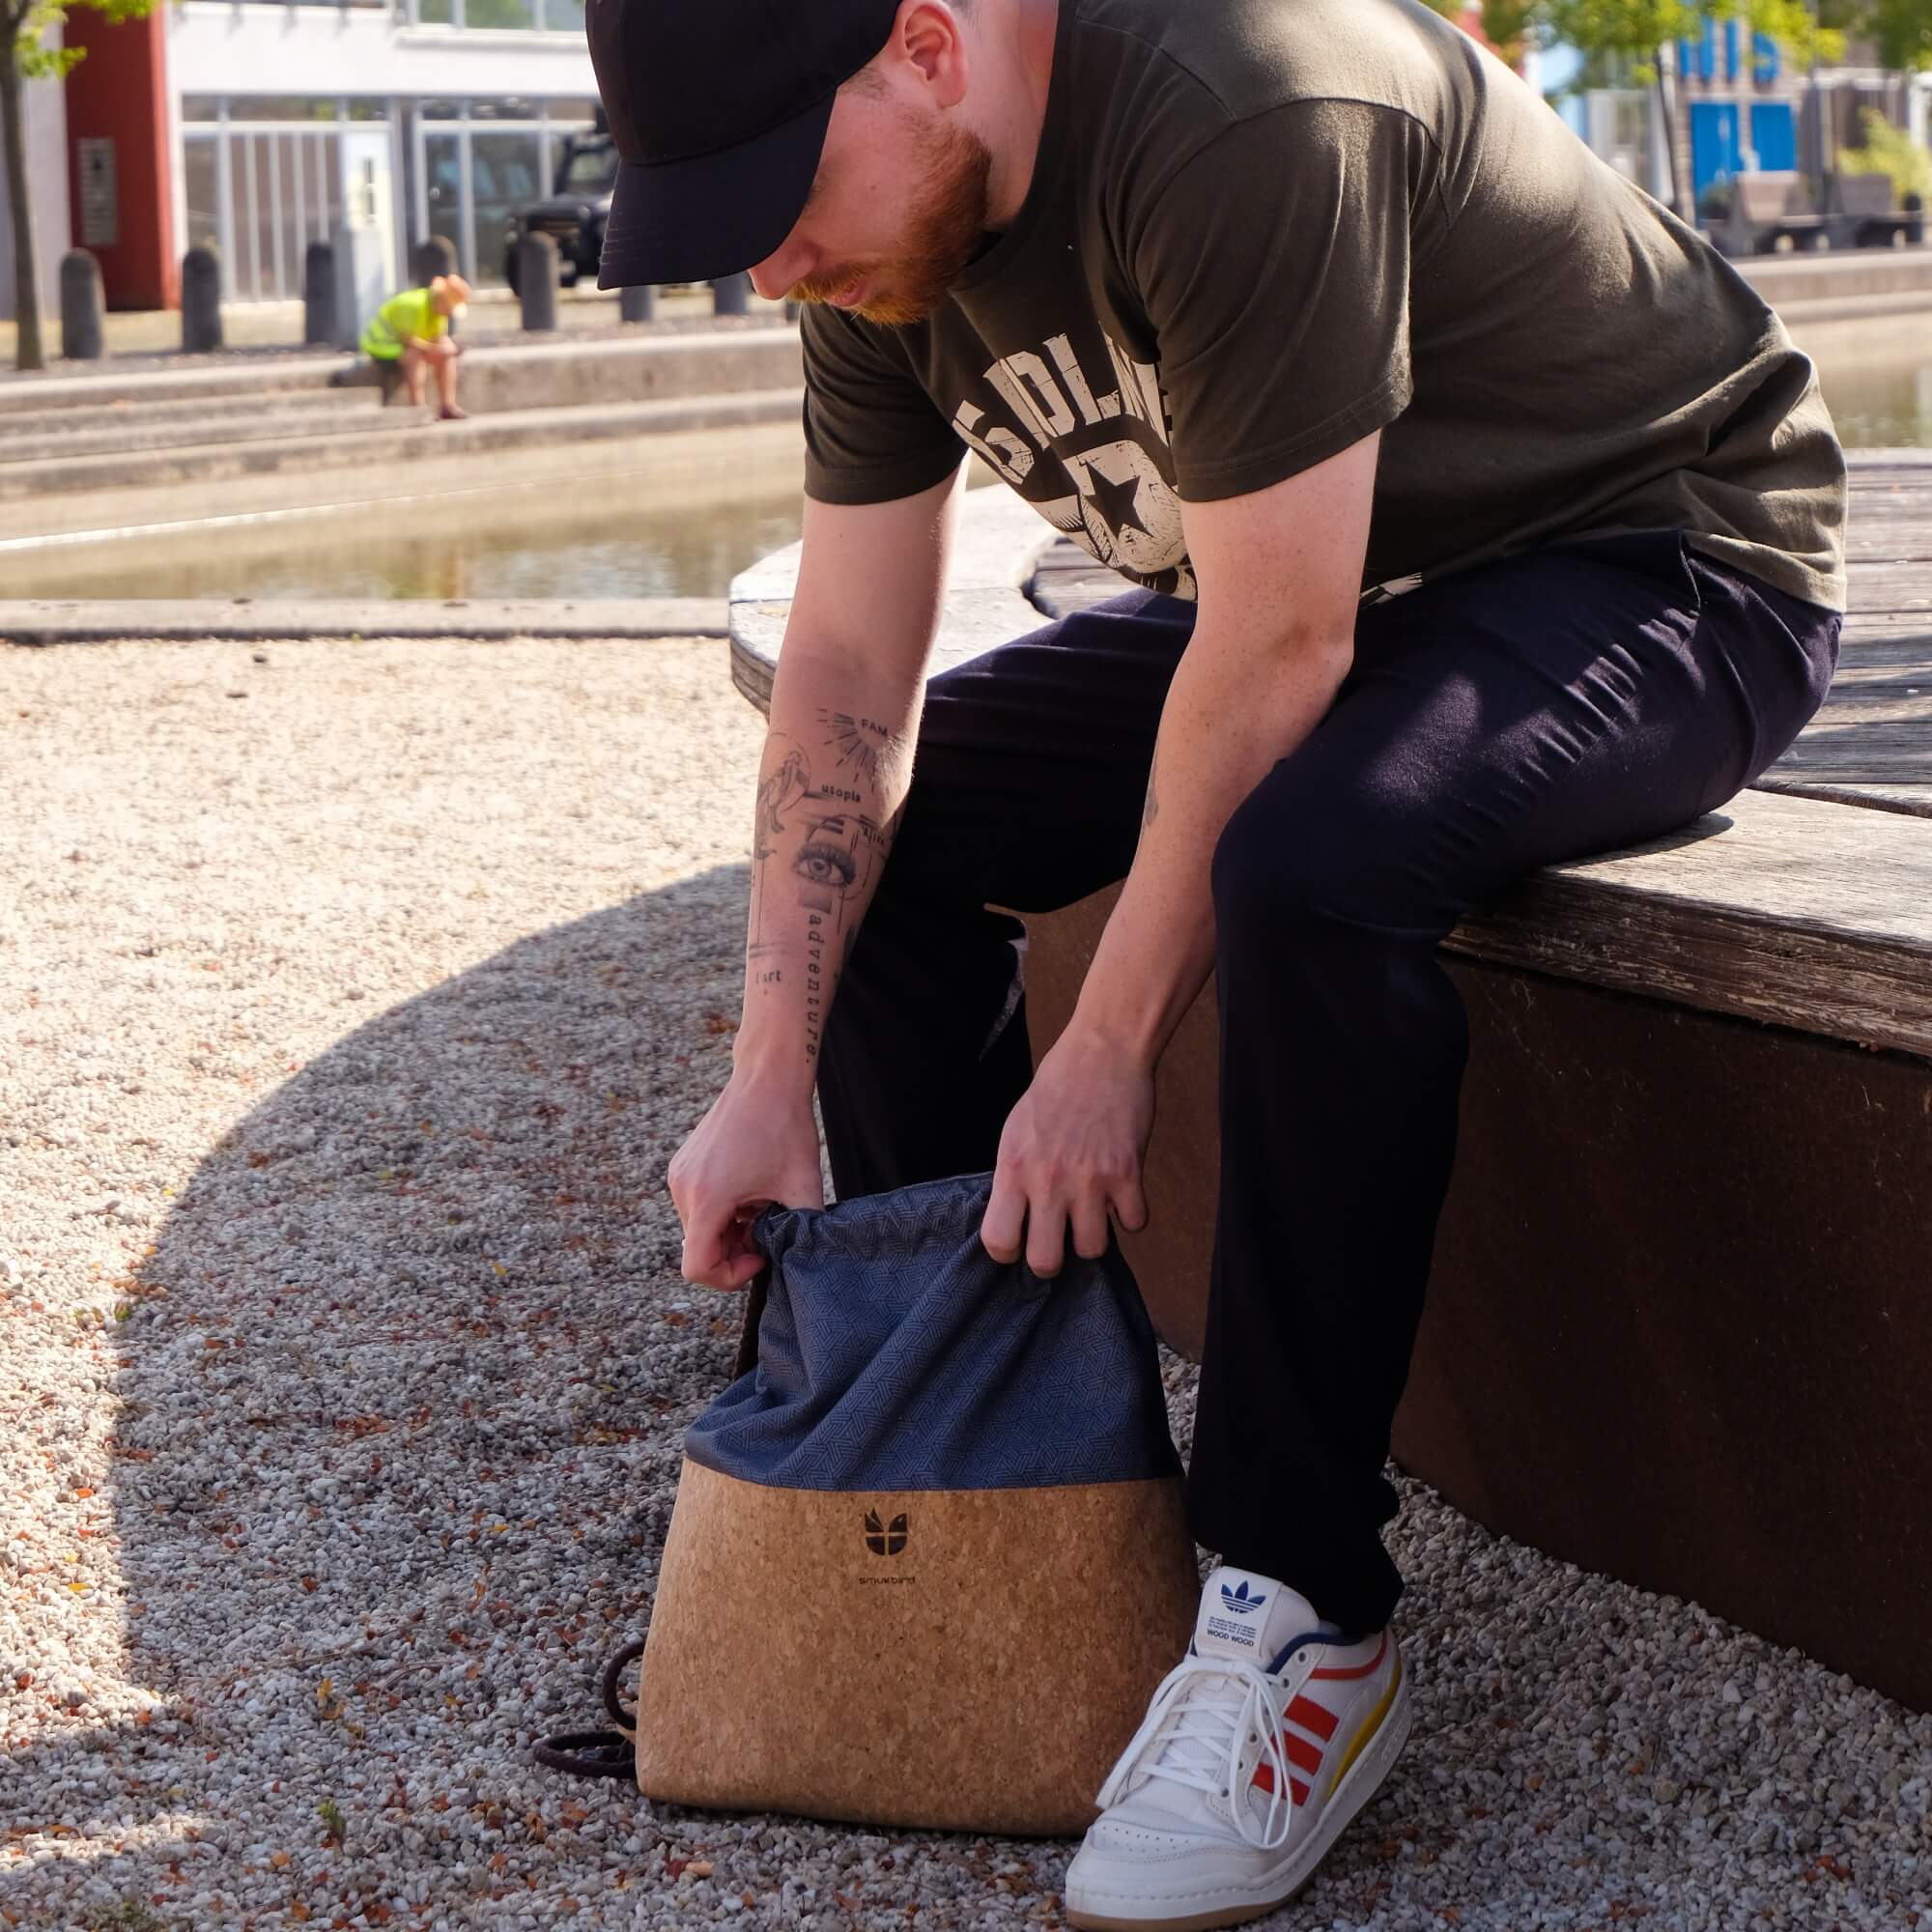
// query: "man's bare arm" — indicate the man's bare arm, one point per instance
point(837, 762)
point(1280, 570)
point(831, 782)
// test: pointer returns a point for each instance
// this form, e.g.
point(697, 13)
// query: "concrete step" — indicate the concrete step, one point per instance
point(143, 413)
point(132, 436)
point(383, 444)
point(34, 393)
point(76, 621)
point(554, 371)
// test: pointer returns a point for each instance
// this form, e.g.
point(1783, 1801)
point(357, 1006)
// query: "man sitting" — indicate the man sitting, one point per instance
point(410, 333)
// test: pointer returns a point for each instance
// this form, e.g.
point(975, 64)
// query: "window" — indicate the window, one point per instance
point(591, 171)
point(282, 107)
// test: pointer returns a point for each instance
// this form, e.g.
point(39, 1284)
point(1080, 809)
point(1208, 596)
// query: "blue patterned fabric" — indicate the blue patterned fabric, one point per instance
point(895, 1353)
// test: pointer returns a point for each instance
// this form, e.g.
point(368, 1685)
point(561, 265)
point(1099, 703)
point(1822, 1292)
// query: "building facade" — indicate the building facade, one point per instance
point(43, 127)
point(1732, 102)
point(256, 128)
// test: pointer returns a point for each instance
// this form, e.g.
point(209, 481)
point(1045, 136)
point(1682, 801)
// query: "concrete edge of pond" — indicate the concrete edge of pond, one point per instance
point(64, 621)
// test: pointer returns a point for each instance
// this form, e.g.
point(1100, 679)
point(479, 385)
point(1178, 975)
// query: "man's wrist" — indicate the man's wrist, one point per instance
point(784, 1073)
point(1121, 1039)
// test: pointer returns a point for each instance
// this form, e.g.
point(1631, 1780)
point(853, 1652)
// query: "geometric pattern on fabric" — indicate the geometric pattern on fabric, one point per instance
point(895, 1353)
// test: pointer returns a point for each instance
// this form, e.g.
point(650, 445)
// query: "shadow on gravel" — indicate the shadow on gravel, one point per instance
point(407, 1377)
point(406, 1382)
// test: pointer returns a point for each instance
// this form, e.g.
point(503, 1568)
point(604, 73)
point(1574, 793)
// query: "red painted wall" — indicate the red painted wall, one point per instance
point(120, 92)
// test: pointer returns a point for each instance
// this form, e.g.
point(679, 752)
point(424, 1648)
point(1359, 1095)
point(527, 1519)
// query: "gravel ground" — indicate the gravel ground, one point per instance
point(352, 998)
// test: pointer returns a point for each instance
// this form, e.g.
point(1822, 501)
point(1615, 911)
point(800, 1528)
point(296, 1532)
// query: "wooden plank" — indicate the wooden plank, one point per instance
point(1874, 729)
point(1784, 907)
point(996, 545)
point(1916, 799)
point(1776, 909)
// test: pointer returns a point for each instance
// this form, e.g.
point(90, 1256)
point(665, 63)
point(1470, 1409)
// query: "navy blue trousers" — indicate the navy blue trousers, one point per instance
point(1567, 703)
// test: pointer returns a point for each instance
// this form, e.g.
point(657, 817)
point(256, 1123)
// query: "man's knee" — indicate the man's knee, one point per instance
point(1290, 853)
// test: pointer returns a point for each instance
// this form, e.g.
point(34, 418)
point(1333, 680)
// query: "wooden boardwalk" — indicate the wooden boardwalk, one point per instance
point(1871, 742)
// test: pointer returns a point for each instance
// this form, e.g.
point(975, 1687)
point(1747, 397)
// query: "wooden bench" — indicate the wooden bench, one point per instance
point(1770, 210)
point(1859, 213)
point(1679, 1326)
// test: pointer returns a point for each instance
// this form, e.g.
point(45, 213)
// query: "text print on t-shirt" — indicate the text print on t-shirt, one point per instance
point(1120, 502)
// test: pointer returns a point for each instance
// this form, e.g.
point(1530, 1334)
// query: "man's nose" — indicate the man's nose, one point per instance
point(779, 270)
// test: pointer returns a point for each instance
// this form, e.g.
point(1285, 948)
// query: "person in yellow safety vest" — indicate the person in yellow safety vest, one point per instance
point(411, 330)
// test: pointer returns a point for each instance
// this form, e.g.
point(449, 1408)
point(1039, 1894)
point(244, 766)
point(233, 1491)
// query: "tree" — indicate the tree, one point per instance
point(24, 27)
point(1903, 31)
point(1506, 23)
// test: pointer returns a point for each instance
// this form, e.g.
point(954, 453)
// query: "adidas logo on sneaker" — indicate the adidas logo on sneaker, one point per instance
point(1242, 1625)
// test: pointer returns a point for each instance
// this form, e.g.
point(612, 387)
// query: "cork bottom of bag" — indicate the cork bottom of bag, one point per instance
point(961, 1660)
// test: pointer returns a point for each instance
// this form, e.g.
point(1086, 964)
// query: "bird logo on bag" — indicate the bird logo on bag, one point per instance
point(882, 1541)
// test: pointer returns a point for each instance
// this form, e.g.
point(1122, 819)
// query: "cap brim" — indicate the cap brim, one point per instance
point(714, 214)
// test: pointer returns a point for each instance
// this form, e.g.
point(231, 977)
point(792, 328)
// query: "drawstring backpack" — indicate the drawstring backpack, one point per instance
point(928, 1559)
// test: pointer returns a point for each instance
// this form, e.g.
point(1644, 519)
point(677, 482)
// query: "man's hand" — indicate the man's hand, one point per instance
point(1070, 1150)
point(758, 1144)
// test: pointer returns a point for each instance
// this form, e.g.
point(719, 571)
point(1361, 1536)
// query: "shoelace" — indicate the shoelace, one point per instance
point(1209, 1757)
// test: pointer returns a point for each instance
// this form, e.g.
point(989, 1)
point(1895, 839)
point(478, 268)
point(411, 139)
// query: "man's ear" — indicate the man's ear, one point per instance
point(928, 37)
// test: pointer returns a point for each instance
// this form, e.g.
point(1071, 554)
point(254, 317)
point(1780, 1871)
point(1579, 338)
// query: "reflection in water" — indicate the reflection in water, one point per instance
point(1877, 379)
point(538, 542)
point(655, 551)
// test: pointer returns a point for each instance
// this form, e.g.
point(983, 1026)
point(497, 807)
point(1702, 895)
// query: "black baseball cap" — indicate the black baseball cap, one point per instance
point(719, 110)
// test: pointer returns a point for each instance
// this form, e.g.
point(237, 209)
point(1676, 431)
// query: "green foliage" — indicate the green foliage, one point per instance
point(26, 23)
point(1632, 31)
point(1903, 31)
point(1888, 151)
point(1506, 23)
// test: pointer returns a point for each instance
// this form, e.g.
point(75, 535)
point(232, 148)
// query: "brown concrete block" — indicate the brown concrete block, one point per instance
point(1679, 1325)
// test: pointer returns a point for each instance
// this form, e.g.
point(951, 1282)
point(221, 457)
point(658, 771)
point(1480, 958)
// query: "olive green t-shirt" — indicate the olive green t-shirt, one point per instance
point(1258, 231)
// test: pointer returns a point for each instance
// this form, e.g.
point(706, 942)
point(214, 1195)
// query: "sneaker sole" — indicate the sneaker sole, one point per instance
point(1364, 1780)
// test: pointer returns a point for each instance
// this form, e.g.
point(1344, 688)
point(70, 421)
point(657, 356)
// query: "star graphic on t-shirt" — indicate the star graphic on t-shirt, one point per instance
point(1116, 501)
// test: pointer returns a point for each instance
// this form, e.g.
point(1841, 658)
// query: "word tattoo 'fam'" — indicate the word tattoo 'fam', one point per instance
point(857, 743)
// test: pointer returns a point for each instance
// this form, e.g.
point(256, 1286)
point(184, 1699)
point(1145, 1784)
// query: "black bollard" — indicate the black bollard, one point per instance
point(536, 281)
point(83, 337)
point(201, 302)
point(637, 301)
point(434, 256)
point(319, 293)
point(732, 296)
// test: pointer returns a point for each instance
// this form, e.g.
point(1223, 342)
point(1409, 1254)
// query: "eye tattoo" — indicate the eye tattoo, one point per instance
point(826, 865)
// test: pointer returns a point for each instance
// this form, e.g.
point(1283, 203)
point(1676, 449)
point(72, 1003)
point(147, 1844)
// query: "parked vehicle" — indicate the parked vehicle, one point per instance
point(574, 216)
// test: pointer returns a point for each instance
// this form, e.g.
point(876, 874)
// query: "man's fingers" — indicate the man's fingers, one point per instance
point(702, 1256)
point(1091, 1233)
point(1130, 1208)
point(1046, 1238)
point(1005, 1218)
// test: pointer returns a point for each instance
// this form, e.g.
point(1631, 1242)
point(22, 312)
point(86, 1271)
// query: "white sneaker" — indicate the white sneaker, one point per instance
point(1257, 1749)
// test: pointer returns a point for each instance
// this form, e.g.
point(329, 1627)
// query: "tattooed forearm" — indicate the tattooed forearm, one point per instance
point(1151, 810)
point(787, 778)
point(859, 743)
point(821, 836)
